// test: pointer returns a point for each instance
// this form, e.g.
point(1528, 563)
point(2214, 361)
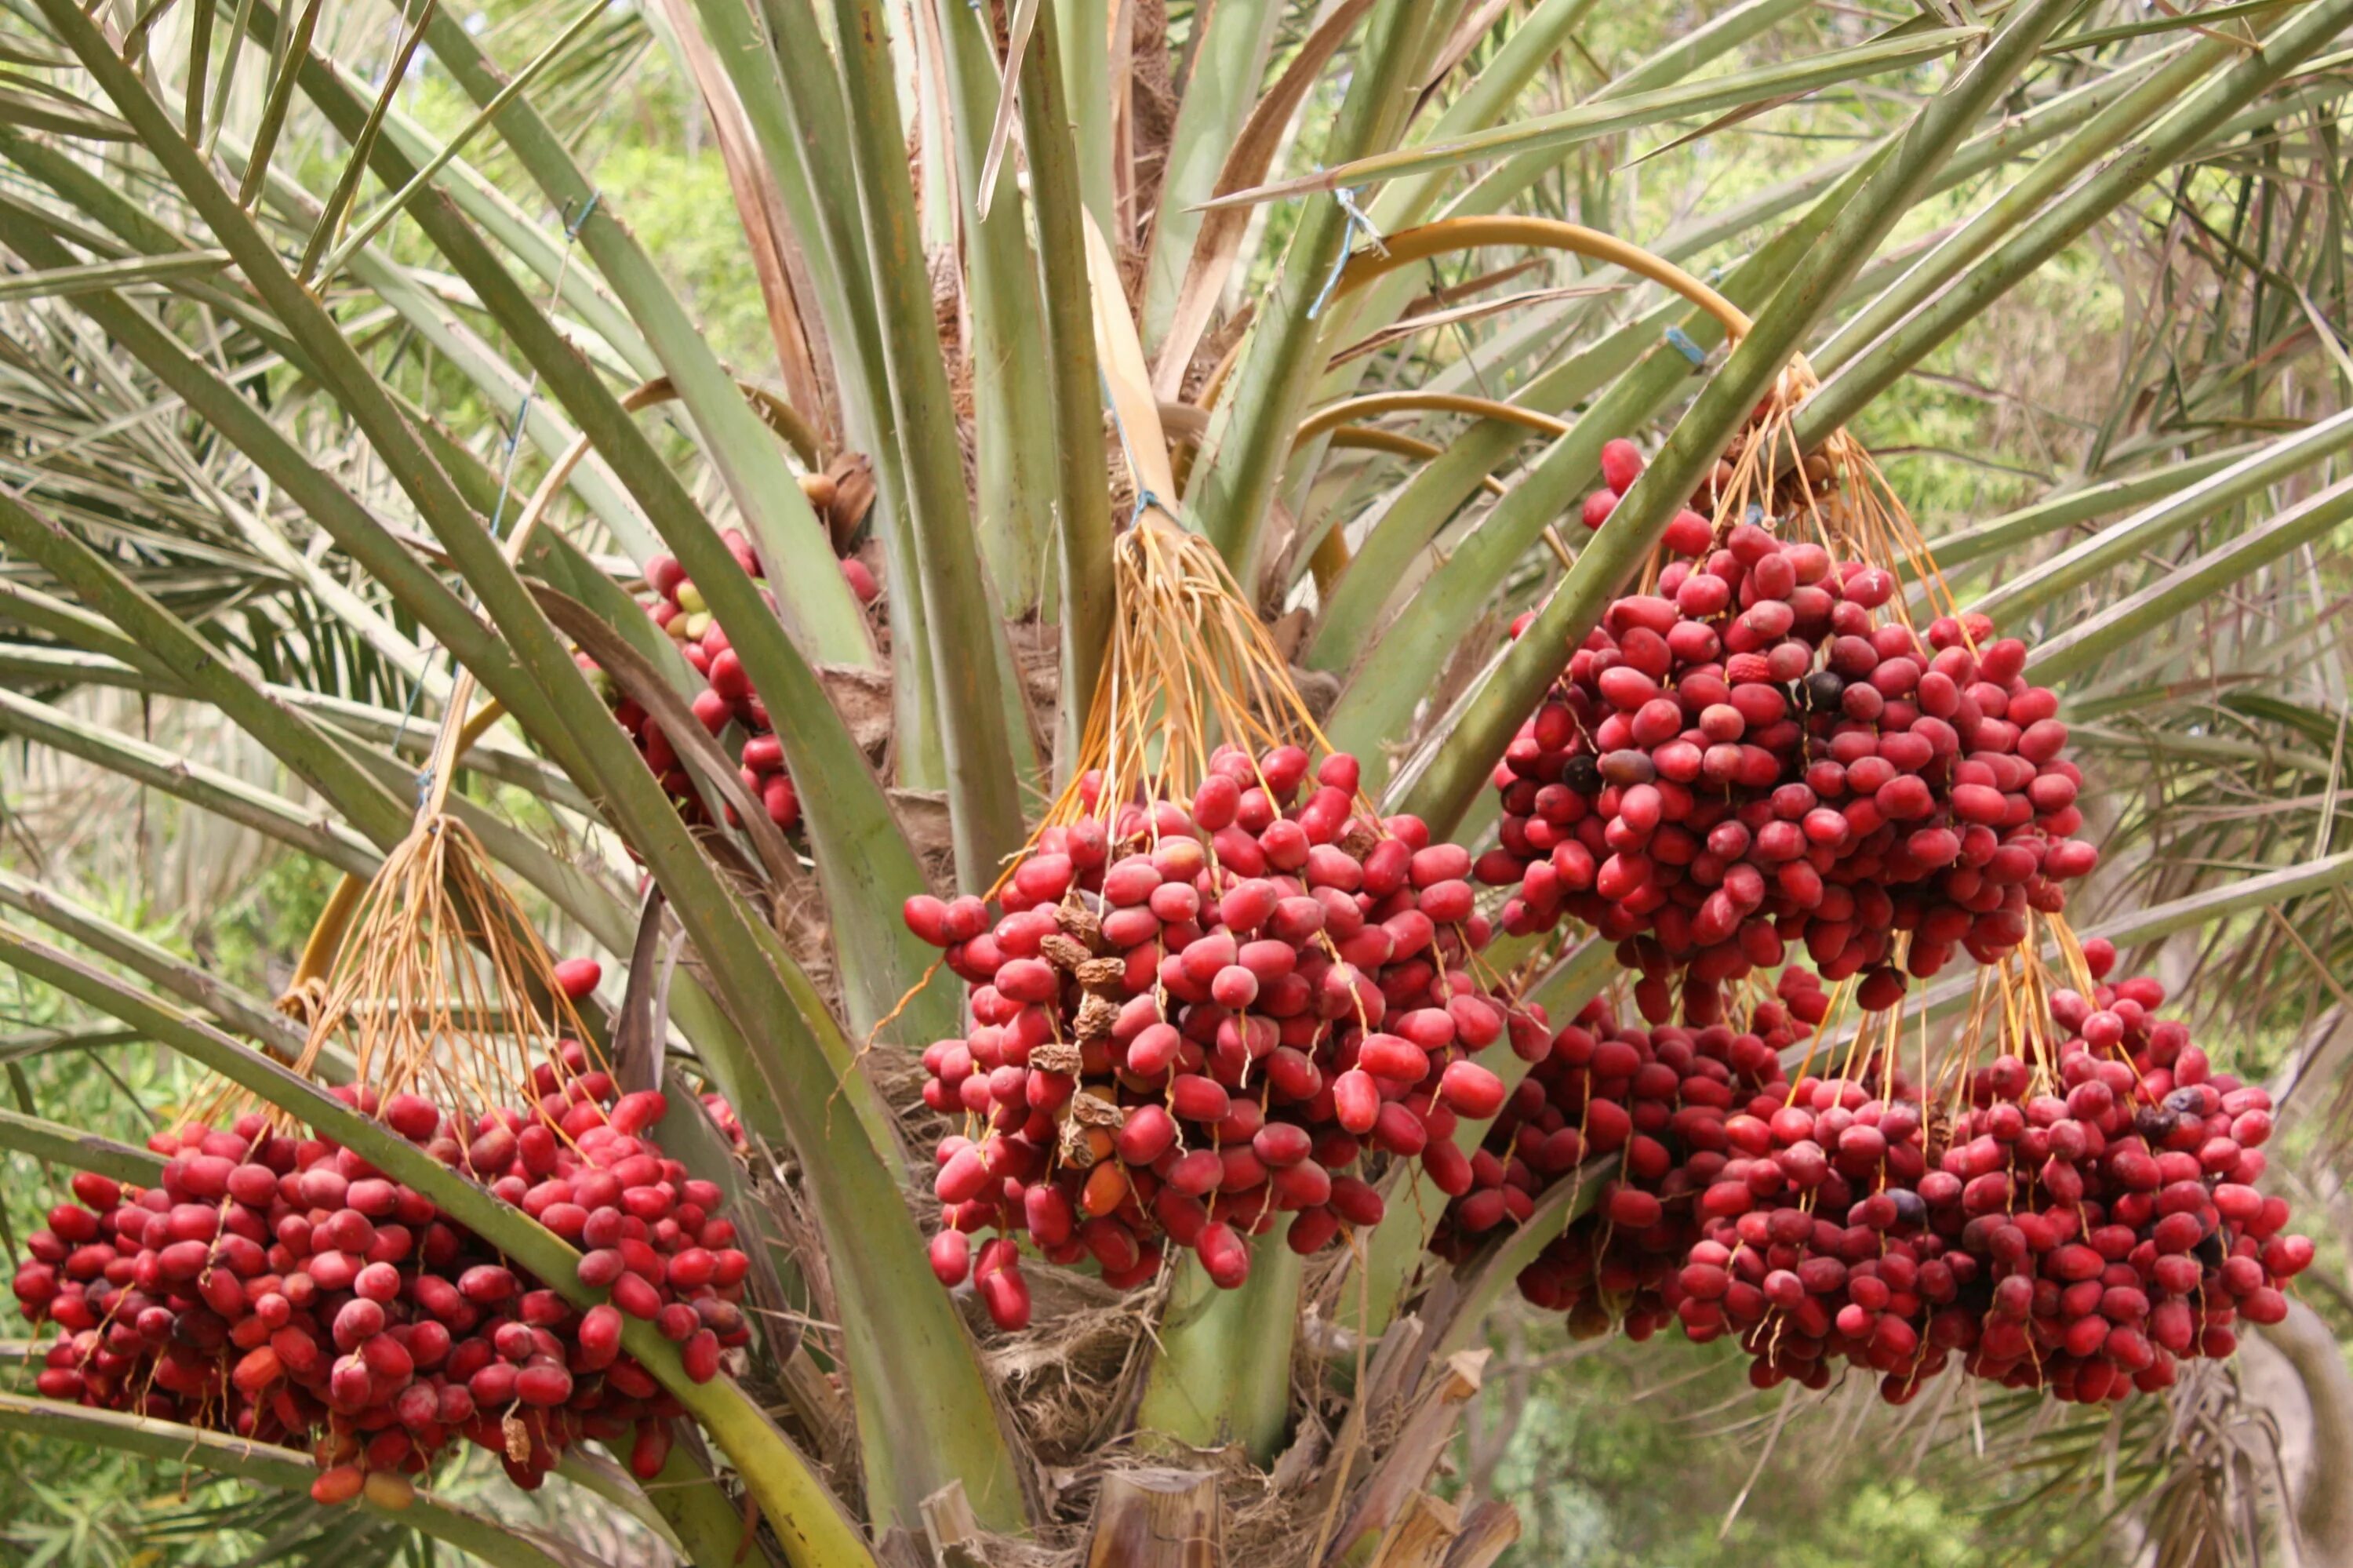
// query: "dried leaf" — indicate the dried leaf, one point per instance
point(637, 1035)
point(775, 250)
point(1121, 356)
point(862, 698)
point(923, 816)
point(852, 476)
point(1017, 45)
point(1399, 332)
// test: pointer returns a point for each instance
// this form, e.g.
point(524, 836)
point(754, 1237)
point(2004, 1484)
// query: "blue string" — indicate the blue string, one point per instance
point(416, 690)
point(1357, 224)
point(1680, 341)
point(572, 229)
point(514, 444)
point(1147, 498)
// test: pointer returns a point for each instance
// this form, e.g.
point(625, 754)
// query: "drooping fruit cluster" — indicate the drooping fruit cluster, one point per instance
point(1658, 1098)
point(727, 697)
point(1193, 1019)
point(284, 1289)
point(2079, 1228)
point(1815, 1246)
point(2114, 1210)
point(1749, 759)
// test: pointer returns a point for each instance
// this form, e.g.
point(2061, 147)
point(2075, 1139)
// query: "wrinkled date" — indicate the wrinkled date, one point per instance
point(1193, 1019)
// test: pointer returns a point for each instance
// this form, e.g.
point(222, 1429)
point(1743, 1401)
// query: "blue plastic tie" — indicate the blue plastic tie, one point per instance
point(1147, 498)
point(1357, 224)
point(1680, 341)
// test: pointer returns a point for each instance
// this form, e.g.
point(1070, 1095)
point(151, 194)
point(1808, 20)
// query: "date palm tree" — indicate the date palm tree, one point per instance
point(283, 366)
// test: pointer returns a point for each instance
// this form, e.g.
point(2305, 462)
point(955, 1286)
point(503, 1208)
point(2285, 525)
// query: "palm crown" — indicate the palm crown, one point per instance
point(374, 435)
